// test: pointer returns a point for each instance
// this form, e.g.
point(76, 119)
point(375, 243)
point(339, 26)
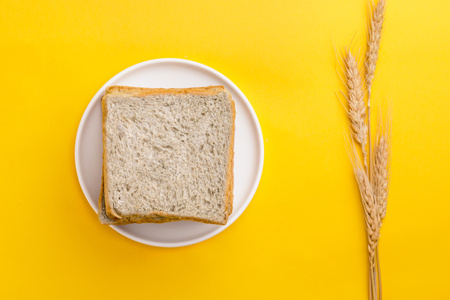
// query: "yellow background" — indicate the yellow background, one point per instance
point(303, 234)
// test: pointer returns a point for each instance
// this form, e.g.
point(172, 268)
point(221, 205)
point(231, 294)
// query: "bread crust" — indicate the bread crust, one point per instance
point(161, 216)
point(137, 91)
point(110, 212)
point(230, 173)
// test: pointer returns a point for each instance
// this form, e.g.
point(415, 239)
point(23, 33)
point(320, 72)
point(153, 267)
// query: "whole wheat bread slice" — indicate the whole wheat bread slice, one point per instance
point(168, 155)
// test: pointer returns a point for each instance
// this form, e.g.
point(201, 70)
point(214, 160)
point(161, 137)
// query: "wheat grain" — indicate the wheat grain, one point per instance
point(356, 105)
point(373, 43)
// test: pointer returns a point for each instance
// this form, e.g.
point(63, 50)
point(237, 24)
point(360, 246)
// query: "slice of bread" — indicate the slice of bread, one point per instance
point(167, 155)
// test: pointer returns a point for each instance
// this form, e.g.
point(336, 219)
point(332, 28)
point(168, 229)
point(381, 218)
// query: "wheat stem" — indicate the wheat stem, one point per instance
point(379, 274)
point(375, 291)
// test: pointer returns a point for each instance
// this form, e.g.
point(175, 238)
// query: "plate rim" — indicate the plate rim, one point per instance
point(254, 120)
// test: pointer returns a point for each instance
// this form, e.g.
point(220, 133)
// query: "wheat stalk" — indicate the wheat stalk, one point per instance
point(373, 180)
point(378, 167)
point(356, 105)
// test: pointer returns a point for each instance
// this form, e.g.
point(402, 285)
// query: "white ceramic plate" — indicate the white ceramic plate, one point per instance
point(173, 73)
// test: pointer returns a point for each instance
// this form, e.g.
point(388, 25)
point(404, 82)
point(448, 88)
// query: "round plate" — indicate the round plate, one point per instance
point(173, 73)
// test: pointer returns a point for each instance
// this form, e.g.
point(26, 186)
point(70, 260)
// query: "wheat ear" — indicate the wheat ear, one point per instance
point(373, 43)
point(370, 211)
point(371, 216)
point(356, 105)
point(381, 164)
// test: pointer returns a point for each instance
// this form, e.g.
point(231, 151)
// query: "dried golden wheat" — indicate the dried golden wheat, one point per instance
point(380, 175)
point(356, 105)
point(373, 43)
point(373, 180)
point(369, 204)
